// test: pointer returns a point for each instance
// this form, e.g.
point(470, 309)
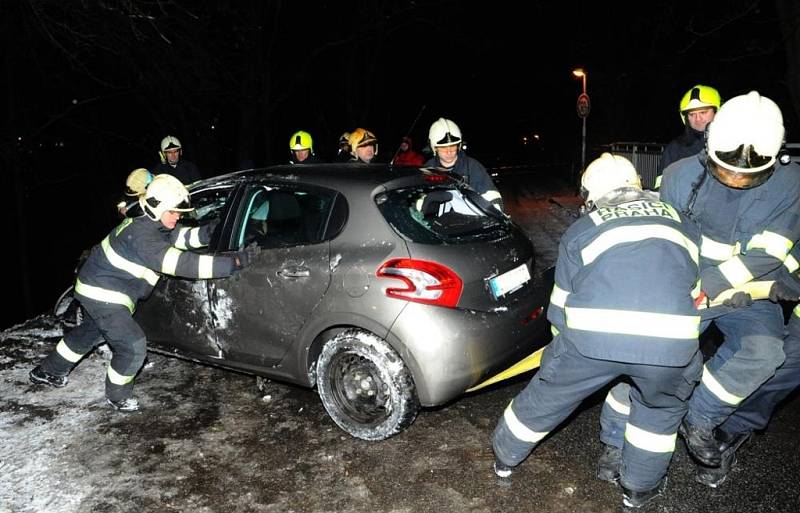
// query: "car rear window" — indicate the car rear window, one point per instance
point(442, 215)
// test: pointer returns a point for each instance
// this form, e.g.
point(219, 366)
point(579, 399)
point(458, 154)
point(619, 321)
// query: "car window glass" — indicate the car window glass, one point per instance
point(283, 217)
point(209, 205)
point(440, 215)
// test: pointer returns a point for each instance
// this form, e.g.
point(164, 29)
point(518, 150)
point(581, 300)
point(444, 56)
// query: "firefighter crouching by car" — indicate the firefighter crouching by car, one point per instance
point(612, 317)
point(124, 268)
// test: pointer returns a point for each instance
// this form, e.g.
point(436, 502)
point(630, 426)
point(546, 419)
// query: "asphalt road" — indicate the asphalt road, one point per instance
point(208, 440)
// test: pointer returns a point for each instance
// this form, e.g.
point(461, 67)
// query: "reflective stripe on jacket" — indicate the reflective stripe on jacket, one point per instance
point(624, 282)
point(747, 233)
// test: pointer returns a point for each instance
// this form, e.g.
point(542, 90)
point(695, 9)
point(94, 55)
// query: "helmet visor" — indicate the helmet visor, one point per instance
point(739, 179)
point(183, 206)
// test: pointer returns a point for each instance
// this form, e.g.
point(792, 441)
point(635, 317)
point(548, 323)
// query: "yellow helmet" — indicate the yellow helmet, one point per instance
point(137, 182)
point(607, 173)
point(301, 140)
point(362, 137)
point(164, 193)
point(699, 97)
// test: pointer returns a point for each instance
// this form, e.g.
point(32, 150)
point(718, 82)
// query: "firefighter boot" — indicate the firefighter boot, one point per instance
point(714, 477)
point(39, 376)
point(634, 499)
point(501, 469)
point(701, 444)
point(127, 405)
point(608, 464)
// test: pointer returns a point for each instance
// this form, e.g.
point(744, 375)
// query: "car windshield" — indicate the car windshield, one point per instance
point(442, 215)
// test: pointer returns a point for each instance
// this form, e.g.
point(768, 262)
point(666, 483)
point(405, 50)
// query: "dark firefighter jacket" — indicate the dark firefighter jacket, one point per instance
point(746, 233)
point(185, 171)
point(689, 143)
point(624, 285)
point(125, 266)
point(474, 174)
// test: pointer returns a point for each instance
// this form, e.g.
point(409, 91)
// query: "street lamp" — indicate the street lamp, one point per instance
point(583, 113)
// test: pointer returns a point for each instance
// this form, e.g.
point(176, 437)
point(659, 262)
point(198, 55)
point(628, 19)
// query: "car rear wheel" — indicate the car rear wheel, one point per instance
point(365, 386)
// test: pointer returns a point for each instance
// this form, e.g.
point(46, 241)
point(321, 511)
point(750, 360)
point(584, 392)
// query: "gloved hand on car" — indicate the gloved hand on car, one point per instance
point(739, 300)
point(246, 256)
point(780, 292)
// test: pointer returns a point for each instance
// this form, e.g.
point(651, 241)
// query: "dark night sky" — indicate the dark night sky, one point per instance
point(91, 88)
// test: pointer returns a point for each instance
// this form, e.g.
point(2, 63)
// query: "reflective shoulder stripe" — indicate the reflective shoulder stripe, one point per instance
point(716, 388)
point(554, 331)
point(170, 263)
point(559, 296)
point(519, 430)
point(791, 264)
point(206, 267)
point(627, 322)
point(624, 234)
point(124, 224)
point(117, 378)
point(718, 251)
point(650, 442)
point(67, 353)
point(180, 243)
point(104, 295)
point(491, 195)
point(735, 271)
point(617, 406)
point(136, 270)
point(772, 243)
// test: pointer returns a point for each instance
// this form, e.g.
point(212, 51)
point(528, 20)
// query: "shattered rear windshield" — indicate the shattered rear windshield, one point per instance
point(442, 215)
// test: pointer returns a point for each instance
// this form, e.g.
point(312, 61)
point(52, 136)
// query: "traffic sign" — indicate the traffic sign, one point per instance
point(583, 105)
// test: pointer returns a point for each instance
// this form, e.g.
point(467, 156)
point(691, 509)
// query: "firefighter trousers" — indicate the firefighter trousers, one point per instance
point(566, 377)
point(103, 322)
point(751, 351)
point(754, 413)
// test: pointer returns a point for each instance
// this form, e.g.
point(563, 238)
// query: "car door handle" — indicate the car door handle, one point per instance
point(294, 271)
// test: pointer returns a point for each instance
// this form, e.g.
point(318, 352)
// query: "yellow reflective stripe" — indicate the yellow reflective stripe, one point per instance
point(637, 233)
point(170, 263)
point(194, 238)
point(713, 250)
point(206, 267)
point(796, 310)
point(124, 224)
point(718, 390)
point(180, 244)
point(697, 290)
point(658, 182)
point(628, 322)
point(139, 271)
point(67, 353)
point(104, 295)
point(616, 405)
point(554, 331)
point(117, 378)
point(491, 195)
point(519, 430)
point(735, 271)
point(791, 264)
point(559, 296)
point(772, 243)
point(650, 442)
point(756, 289)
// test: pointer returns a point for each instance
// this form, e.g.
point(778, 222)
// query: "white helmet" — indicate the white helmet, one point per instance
point(744, 139)
point(607, 173)
point(137, 182)
point(164, 193)
point(170, 142)
point(444, 132)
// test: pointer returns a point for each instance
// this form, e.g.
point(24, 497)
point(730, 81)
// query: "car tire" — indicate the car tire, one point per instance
point(365, 386)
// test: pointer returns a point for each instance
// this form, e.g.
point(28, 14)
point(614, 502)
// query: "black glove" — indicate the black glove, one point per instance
point(739, 300)
point(245, 257)
point(780, 292)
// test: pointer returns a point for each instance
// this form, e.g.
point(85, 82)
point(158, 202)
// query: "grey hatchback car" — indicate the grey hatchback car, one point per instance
point(386, 288)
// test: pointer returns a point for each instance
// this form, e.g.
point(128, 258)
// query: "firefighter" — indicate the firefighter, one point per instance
point(446, 143)
point(173, 163)
point(606, 325)
point(697, 109)
point(747, 205)
point(120, 271)
point(343, 148)
point(135, 186)
point(363, 145)
point(301, 149)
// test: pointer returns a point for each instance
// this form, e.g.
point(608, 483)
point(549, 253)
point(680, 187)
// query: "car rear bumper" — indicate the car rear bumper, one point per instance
point(451, 350)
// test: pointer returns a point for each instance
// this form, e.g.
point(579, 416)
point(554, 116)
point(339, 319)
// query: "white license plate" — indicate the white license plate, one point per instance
point(509, 281)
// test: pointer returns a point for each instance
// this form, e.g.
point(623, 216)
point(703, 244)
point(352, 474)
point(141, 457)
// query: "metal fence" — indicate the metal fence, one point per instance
point(646, 158)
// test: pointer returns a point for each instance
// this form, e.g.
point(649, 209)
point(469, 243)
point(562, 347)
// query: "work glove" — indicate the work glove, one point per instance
point(739, 300)
point(246, 256)
point(780, 292)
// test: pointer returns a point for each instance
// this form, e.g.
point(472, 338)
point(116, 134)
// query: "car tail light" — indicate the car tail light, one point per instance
point(437, 178)
point(533, 315)
point(423, 282)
